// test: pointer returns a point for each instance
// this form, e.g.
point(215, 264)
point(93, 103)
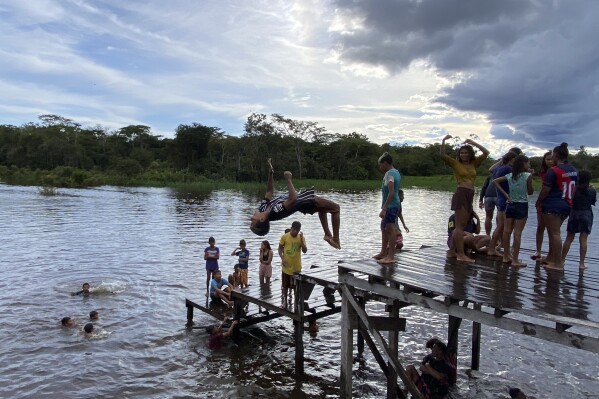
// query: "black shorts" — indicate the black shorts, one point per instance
point(517, 210)
point(286, 280)
point(580, 222)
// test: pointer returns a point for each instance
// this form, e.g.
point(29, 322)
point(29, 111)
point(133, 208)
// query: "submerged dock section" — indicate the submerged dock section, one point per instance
point(560, 307)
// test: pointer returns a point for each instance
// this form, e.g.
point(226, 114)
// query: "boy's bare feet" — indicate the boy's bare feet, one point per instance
point(452, 254)
point(506, 259)
point(492, 252)
point(536, 256)
point(287, 175)
point(518, 263)
point(581, 266)
point(378, 256)
point(331, 241)
point(386, 261)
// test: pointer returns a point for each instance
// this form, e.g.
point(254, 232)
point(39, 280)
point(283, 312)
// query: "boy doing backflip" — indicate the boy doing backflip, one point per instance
point(305, 201)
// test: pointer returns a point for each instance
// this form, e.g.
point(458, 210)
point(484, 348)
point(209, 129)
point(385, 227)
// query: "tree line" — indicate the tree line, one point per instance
point(61, 152)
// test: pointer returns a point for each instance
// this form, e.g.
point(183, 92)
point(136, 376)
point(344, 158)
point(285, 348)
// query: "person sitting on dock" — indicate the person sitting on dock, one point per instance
point(85, 290)
point(291, 258)
point(217, 292)
point(235, 277)
point(434, 380)
point(216, 333)
point(304, 201)
point(473, 240)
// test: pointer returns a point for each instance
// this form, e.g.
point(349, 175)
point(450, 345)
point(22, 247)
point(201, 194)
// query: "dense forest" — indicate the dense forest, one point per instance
point(58, 151)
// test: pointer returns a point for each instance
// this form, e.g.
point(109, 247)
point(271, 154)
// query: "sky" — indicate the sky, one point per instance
point(504, 73)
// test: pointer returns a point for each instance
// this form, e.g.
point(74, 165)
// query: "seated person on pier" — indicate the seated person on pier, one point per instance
point(216, 333)
point(473, 240)
point(235, 277)
point(305, 201)
point(434, 380)
point(219, 289)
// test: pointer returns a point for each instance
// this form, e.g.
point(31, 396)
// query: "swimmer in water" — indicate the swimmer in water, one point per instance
point(85, 290)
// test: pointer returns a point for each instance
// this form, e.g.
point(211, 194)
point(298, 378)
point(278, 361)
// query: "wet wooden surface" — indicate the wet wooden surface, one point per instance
point(532, 290)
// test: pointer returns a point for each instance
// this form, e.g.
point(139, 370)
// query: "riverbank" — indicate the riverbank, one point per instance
point(65, 177)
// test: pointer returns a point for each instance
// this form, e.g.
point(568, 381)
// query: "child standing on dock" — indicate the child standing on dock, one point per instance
point(266, 254)
point(390, 209)
point(581, 216)
point(516, 212)
point(244, 256)
point(211, 255)
point(291, 246)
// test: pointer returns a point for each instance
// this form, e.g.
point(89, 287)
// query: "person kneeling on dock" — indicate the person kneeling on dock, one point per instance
point(305, 201)
point(473, 240)
point(216, 333)
point(434, 380)
point(220, 290)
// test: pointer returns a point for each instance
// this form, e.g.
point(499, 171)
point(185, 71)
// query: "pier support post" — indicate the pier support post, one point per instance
point(360, 344)
point(347, 346)
point(393, 349)
point(299, 329)
point(453, 332)
point(189, 315)
point(476, 330)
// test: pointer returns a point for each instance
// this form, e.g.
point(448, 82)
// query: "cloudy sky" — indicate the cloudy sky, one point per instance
point(509, 72)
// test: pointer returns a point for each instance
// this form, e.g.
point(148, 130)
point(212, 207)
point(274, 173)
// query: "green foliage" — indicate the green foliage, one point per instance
point(60, 152)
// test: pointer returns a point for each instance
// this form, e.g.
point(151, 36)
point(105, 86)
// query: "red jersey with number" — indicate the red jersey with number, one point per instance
point(562, 180)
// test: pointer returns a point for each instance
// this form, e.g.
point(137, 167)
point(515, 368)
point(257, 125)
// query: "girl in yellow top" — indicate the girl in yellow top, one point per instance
point(464, 170)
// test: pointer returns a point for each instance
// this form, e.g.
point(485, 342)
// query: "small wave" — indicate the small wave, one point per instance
point(108, 288)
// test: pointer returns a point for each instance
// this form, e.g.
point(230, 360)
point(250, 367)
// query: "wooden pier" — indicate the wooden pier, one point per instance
point(560, 307)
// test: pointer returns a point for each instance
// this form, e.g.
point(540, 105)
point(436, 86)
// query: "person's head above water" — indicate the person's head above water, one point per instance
point(94, 315)
point(67, 322)
point(85, 288)
point(89, 327)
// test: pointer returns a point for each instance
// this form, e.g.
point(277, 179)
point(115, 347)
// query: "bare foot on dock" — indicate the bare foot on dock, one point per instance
point(536, 256)
point(465, 259)
point(581, 266)
point(378, 256)
point(553, 266)
point(493, 253)
point(451, 254)
point(506, 260)
point(518, 263)
point(331, 241)
point(386, 261)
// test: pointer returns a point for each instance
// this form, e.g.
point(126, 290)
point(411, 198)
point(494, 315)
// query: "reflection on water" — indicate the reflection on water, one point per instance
point(142, 248)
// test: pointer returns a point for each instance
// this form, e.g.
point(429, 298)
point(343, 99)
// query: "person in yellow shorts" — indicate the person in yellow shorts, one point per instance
point(291, 247)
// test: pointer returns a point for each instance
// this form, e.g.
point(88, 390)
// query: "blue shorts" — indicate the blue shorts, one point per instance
point(517, 210)
point(390, 217)
point(501, 205)
point(490, 203)
point(580, 222)
point(558, 208)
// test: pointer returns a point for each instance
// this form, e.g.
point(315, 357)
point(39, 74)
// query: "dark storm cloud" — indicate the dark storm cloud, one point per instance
point(530, 65)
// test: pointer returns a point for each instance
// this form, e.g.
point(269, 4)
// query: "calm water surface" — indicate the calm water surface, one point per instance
point(142, 251)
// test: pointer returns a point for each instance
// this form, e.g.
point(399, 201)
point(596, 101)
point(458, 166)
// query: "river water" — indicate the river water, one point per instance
point(141, 249)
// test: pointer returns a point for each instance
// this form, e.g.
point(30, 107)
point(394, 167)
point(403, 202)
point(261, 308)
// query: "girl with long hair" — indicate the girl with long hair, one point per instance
point(516, 213)
point(555, 200)
point(464, 170)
